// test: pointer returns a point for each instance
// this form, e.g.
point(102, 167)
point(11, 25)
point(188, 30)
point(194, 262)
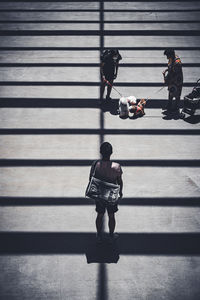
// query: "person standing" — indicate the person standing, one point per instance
point(109, 70)
point(173, 78)
point(108, 171)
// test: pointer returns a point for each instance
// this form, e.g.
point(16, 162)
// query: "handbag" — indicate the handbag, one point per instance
point(101, 190)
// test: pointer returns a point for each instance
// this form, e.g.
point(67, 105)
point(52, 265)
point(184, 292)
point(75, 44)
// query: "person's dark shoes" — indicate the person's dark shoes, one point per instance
point(99, 239)
point(167, 112)
point(113, 237)
point(108, 98)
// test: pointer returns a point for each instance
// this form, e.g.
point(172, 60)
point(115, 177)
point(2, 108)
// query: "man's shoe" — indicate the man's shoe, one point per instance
point(167, 112)
point(108, 98)
point(99, 239)
point(113, 237)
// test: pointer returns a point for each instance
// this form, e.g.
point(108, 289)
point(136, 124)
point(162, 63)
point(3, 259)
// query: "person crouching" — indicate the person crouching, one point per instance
point(137, 110)
point(124, 105)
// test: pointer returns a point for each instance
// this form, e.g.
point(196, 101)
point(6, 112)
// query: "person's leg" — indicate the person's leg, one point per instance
point(177, 101)
point(99, 223)
point(178, 98)
point(111, 223)
point(109, 88)
point(169, 104)
point(102, 89)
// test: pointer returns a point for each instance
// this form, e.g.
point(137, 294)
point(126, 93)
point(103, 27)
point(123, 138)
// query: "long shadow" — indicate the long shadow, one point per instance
point(78, 243)
point(49, 102)
point(73, 103)
point(105, 10)
point(194, 163)
point(91, 131)
point(134, 201)
point(85, 83)
point(91, 65)
point(92, 1)
point(97, 33)
point(28, 48)
point(98, 22)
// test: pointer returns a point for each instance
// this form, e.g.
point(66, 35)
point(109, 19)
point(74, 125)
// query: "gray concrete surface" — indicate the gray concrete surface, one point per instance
point(47, 231)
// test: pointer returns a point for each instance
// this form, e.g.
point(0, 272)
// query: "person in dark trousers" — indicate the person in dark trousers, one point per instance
point(109, 70)
point(173, 78)
point(108, 171)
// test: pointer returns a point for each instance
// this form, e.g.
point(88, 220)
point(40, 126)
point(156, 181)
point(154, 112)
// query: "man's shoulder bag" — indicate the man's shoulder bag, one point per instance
point(101, 190)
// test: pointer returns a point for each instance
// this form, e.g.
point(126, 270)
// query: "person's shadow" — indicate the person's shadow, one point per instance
point(171, 116)
point(104, 252)
point(195, 119)
point(111, 106)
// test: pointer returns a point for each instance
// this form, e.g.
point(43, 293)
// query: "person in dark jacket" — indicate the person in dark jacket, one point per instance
point(173, 78)
point(109, 70)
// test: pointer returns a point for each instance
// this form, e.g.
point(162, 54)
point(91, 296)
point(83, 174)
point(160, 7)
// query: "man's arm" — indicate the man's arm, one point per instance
point(116, 70)
point(101, 70)
point(92, 169)
point(177, 76)
point(120, 182)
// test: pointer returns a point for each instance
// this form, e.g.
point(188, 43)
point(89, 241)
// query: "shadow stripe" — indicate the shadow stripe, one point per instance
point(98, 33)
point(99, 22)
point(83, 162)
point(78, 243)
point(85, 83)
point(135, 201)
point(89, 131)
point(122, 65)
point(70, 103)
point(98, 10)
point(100, 0)
point(91, 48)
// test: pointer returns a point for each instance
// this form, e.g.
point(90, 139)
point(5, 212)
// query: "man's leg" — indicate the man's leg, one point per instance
point(177, 101)
point(169, 104)
point(99, 223)
point(178, 98)
point(102, 89)
point(109, 88)
point(111, 223)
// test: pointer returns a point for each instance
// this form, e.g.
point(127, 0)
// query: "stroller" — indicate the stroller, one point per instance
point(191, 101)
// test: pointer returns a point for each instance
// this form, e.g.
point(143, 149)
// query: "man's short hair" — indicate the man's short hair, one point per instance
point(106, 149)
point(170, 52)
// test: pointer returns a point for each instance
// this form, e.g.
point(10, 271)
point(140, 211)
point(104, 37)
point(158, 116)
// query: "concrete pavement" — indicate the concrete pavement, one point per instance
point(50, 133)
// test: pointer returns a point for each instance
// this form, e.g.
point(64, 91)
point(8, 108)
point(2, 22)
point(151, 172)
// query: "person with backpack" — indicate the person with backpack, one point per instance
point(109, 70)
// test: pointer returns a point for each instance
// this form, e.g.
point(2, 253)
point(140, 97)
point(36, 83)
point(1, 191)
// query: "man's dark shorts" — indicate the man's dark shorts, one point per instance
point(101, 207)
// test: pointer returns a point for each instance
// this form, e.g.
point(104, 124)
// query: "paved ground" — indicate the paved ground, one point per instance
point(51, 129)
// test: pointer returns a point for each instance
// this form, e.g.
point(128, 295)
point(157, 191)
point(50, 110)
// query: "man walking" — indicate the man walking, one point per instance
point(108, 171)
point(173, 78)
